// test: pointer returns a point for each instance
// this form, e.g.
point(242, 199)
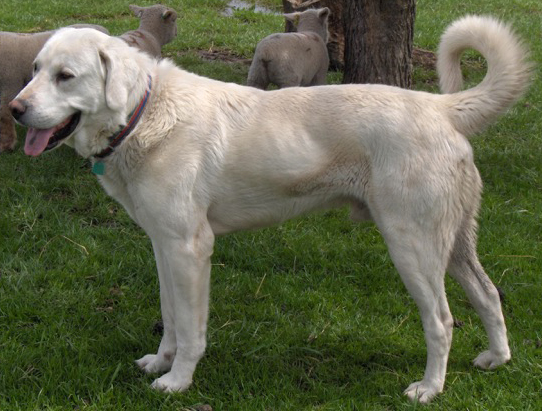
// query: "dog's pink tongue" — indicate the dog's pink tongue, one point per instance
point(37, 140)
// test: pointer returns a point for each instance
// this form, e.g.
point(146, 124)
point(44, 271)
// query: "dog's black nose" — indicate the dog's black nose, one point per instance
point(17, 108)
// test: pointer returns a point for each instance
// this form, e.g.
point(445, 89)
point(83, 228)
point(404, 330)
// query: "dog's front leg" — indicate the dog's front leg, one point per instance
point(186, 265)
point(163, 359)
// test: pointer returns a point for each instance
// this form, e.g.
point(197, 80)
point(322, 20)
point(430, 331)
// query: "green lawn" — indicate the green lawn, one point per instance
point(310, 315)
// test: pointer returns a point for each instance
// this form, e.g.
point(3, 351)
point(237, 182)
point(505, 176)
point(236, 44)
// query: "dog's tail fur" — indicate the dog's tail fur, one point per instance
point(508, 74)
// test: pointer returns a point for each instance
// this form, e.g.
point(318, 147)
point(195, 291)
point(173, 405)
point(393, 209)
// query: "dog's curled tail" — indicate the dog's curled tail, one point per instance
point(507, 78)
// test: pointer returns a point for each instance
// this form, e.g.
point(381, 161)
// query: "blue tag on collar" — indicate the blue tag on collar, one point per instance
point(98, 168)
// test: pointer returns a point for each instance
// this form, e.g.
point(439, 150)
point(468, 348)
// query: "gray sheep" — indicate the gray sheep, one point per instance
point(17, 53)
point(158, 26)
point(293, 59)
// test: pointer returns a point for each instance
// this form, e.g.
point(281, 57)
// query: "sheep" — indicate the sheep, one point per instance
point(158, 26)
point(293, 59)
point(17, 53)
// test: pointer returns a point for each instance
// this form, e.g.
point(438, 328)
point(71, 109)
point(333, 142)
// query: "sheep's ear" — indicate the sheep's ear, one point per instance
point(138, 11)
point(293, 18)
point(116, 94)
point(323, 14)
point(169, 14)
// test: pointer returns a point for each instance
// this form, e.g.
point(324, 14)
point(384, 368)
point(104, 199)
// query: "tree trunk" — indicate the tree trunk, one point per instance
point(335, 45)
point(378, 41)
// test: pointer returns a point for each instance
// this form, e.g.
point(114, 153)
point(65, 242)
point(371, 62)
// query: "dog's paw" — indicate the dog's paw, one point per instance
point(171, 383)
point(422, 391)
point(154, 364)
point(489, 360)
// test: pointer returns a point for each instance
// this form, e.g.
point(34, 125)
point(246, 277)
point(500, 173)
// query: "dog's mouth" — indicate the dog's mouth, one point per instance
point(40, 140)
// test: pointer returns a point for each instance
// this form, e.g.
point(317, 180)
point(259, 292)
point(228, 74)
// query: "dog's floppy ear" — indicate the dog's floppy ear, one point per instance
point(116, 94)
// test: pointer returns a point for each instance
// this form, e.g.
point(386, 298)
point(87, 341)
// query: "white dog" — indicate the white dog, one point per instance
point(199, 158)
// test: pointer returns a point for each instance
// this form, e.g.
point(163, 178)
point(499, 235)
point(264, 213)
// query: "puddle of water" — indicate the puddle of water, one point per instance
point(234, 5)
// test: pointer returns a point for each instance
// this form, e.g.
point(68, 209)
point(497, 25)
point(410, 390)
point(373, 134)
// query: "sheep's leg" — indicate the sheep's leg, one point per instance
point(8, 134)
point(257, 74)
point(320, 78)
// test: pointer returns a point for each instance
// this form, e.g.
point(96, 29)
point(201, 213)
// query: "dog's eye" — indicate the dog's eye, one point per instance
point(64, 76)
point(36, 68)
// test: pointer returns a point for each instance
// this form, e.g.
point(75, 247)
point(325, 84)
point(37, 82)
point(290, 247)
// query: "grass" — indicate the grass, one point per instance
point(310, 315)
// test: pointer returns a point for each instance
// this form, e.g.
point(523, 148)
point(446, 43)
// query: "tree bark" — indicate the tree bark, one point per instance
point(378, 41)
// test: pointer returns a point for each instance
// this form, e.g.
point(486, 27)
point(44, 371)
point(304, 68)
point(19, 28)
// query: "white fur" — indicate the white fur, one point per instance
point(209, 158)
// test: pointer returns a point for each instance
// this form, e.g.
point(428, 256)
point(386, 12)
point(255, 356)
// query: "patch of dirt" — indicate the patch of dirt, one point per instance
point(424, 58)
point(222, 55)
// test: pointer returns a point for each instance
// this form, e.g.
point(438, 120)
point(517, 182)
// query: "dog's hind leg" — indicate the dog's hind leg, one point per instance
point(419, 233)
point(482, 293)
point(422, 270)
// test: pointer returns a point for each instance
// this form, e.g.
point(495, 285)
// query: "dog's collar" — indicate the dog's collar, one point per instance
point(119, 136)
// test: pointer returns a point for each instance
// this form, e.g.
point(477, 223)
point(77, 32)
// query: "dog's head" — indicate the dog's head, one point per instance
point(84, 85)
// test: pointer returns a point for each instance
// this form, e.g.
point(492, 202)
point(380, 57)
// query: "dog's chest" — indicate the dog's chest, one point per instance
point(115, 186)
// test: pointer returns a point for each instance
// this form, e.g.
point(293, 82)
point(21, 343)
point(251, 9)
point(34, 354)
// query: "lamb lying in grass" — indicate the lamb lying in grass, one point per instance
point(158, 26)
point(17, 53)
point(293, 59)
